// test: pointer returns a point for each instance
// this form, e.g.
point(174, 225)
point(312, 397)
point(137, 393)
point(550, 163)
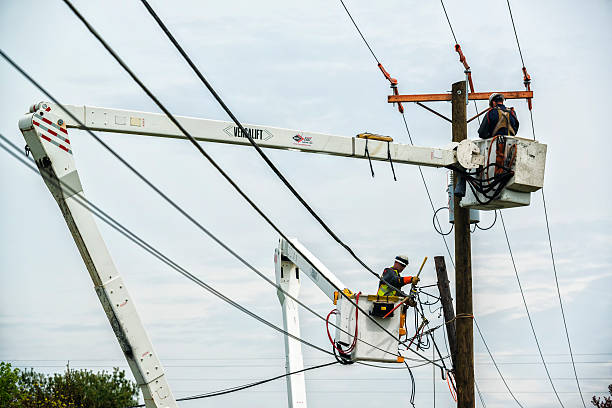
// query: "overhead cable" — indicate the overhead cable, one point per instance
point(174, 204)
point(120, 228)
point(406, 126)
point(359, 31)
point(172, 118)
point(518, 280)
point(552, 255)
point(245, 386)
point(152, 186)
point(272, 166)
point(495, 364)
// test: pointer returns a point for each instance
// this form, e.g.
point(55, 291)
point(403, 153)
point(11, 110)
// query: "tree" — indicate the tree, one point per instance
point(71, 389)
point(9, 391)
point(606, 402)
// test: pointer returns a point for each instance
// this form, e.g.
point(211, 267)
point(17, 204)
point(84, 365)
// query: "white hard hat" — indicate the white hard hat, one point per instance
point(402, 259)
point(495, 95)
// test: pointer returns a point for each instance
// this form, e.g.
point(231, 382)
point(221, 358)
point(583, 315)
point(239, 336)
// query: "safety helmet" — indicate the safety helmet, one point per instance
point(497, 97)
point(402, 259)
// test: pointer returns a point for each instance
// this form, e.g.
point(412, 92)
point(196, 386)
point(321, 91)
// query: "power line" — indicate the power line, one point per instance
point(221, 171)
point(449, 23)
point(552, 255)
point(117, 226)
point(359, 31)
point(527, 309)
point(496, 367)
point(244, 132)
point(515, 34)
point(174, 204)
point(433, 208)
point(407, 129)
point(245, 386)
point(278, 287)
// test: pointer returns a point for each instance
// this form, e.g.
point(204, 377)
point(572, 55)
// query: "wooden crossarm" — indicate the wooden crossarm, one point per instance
point(447, 96)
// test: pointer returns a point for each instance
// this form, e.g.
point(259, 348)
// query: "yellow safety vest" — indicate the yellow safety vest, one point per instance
point(386, 290)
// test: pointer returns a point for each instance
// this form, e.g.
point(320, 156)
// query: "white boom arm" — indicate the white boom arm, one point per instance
point(50, 147)
point(289, 266)
point(155, 124)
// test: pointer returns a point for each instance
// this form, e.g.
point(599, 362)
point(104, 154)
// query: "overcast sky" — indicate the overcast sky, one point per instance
point(301, 65)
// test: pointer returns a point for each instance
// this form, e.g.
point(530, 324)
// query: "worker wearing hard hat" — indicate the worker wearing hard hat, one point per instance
point(499, 120)
point(391, 281)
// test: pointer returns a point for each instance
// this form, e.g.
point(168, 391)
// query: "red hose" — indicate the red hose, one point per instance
point(335, 311)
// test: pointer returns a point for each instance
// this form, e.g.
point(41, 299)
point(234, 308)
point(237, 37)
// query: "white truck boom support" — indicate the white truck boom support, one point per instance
point(289, 266)
point(47, 139)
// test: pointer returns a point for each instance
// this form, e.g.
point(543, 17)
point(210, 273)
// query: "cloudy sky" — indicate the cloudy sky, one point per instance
point(301, 65)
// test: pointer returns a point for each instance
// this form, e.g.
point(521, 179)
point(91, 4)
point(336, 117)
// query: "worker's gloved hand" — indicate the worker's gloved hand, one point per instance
point(415, 280)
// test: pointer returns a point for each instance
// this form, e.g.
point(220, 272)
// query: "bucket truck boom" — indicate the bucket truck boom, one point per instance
point(47, 138)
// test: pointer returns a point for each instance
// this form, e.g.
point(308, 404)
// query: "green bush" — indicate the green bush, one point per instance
point(71, 389)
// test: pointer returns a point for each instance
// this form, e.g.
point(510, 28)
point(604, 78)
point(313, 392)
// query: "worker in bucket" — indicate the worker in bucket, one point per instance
point(391, 281)
point(499, 120)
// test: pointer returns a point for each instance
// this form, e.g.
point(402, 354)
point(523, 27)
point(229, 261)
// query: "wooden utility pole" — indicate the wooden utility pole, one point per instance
point(464, 364)
point(447, 306)
point(464, 370)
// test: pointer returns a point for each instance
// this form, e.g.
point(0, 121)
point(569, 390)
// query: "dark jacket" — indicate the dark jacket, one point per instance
point(391, 280)
point(490, 122)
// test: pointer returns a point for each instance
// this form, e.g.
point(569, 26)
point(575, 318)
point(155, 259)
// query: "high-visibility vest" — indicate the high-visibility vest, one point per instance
point(386, 290)
point(503, 121)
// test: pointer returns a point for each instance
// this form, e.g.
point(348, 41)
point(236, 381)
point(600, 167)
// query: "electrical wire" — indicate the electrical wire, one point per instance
point(245, 386)
point(434, 219)
point(127, 233)
point(495, 364)
point(433, 208)
point(527, 310)
point(405, 125)
point(359, 31)
point(170, 201)
point(552, 255)
point(217, 167)
point(449, 23)
point(412, 384)
point(247, 135)
point(480, 395)
point(491, 226)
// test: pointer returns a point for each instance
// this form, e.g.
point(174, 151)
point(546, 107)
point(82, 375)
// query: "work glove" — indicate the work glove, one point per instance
point(415, 280)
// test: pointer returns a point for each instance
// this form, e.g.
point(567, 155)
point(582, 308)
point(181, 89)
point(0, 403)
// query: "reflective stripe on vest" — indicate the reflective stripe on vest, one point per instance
point(503, 121)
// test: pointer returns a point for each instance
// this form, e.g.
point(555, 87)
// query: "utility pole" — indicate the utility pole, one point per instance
point(447, 306)
point(464, 370)
point(464, 364)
